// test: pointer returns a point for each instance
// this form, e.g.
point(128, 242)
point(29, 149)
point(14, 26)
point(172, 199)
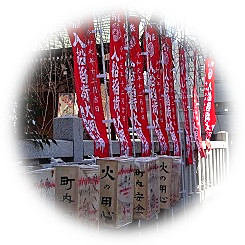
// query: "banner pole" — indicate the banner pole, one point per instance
point(189, 88)
point(130, 92)
point(163, 32)
point(183, 177)
point(189, 117)
point(109, 121)
point(149, 97)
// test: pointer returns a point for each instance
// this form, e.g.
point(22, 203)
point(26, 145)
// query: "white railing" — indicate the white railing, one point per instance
point(213, 170)
point(200, 180)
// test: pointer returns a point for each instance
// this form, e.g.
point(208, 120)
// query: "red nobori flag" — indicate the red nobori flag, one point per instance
point(156, 87)
point(88, 86)
point(118, 82)
point(171, 113)
point(196, 116)
point(138, 101)
point(209, 108)
point(183, 86)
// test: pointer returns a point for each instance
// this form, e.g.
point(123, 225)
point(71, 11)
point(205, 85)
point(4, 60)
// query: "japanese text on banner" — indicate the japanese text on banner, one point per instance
point(196, 116)
point(87, 85)
point(171, 113)
point(137, 90)
point(183, 86)
point(156, 87)
point(118, 83)
point(209, 108)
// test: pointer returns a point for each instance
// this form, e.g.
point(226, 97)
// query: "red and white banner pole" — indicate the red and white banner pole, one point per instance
point(152, 48)
point(136, 87)
point(193, 167)
point(196, 114)
point(109, 121)
point(171, 102)
point(151, 128)
point(185, 104)
point(209, 107)
point(87, 85)
point(118, 83)
point(130, 82)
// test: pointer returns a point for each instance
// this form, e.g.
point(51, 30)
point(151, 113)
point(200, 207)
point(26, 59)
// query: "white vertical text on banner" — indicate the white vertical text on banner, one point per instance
point(171, 113)
point(183, 87)
point(87, 85)
point(209, 108)
point(138, 103)
point(196, 115)
point(118, 82)
point(152, 48)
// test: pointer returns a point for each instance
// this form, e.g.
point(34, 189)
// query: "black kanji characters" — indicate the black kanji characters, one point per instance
point(68, 198)
point(139, 183)
point(138, 196)
point(108, 173)
point(163, 188)
point(106, 201)
point(138, 172)
point(139, 209)
point(64, 180)
point(164, 168)
point(163, 199)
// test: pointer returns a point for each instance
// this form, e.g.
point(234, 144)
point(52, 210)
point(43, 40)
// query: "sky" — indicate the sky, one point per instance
point(23, 24)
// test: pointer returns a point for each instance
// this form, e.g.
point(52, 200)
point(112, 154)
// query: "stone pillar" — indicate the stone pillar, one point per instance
point(70, 128)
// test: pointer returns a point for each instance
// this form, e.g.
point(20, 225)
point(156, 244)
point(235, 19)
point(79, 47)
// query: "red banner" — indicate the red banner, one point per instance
point(196, 116)
point(138, 102)
point(209, 108)
point(118, 82)
point(171, 113)
point(88, 86)
point(156, 87)
point(184, 93)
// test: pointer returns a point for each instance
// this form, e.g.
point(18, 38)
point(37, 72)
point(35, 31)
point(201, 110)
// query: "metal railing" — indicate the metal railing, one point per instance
point(213, 170)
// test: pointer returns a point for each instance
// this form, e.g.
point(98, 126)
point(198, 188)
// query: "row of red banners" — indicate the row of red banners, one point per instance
point(127, 89)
